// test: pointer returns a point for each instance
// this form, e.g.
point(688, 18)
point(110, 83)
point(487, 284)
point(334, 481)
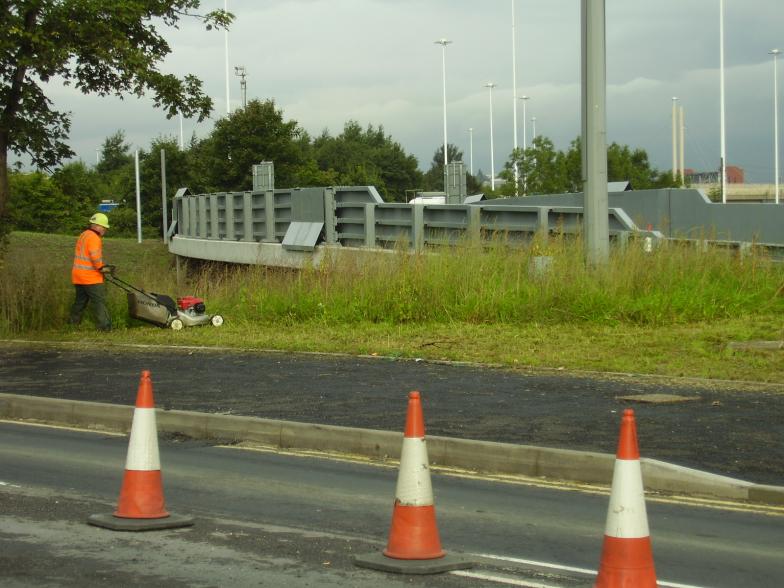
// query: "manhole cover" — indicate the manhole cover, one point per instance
point(657, 398)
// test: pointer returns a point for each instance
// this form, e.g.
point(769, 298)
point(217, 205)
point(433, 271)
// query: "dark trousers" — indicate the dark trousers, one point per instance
point(95, 294)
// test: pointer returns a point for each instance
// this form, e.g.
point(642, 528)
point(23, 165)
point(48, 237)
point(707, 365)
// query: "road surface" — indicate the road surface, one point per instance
point(283, 520)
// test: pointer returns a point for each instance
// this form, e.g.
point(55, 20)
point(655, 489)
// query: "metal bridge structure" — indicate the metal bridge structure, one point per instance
point(295, 227)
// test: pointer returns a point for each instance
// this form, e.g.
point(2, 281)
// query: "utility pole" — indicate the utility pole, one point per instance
point(594, 132)
point(490, 86)
point(722, 127)
point(674, 139)
point(514, 96)
point(471, 150)
point(775, 53)
point(444, 43)
point(239, 70)
point(226, 58)
point(683, 146)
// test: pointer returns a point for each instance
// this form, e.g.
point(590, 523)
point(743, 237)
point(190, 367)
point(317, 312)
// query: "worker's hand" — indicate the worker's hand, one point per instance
point(108, 269)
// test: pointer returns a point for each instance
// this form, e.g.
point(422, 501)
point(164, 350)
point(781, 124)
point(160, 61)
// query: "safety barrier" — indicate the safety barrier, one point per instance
point(221, 226)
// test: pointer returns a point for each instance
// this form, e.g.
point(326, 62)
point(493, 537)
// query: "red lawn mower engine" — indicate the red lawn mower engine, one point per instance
point(191, 305)
point(192, 312)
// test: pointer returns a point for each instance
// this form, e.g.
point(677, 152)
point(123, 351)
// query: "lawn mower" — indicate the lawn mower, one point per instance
point(161, 310)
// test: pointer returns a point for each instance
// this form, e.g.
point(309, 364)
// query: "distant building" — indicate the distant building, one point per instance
point(735, 175)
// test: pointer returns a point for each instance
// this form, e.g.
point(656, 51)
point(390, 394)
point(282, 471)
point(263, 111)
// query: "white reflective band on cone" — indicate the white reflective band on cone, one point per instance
point(143, 444)
point(413, 481)
point(626, 515)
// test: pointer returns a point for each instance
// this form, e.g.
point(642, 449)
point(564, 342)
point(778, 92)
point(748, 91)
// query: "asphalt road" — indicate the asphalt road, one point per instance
point(275, 520)
point(723, 428)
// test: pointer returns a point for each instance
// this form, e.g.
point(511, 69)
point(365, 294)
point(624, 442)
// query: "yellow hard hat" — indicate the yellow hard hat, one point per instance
point(100, 219)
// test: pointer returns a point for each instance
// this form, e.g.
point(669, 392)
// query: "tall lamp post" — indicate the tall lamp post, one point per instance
point(490, 86)
point(226, 55)
point(444, 43)
point(674, 138)
point(525, 141)
point(723, 170)
point(533, 128)
point(775, 53)
point(514, 94)
point(525, 135)
point(471, 150)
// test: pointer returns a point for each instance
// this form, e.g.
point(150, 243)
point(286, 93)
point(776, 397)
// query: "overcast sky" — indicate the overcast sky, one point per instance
point(328, 61)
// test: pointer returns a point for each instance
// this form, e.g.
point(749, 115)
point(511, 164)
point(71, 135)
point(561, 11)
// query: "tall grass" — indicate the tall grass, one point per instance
point(495, 283)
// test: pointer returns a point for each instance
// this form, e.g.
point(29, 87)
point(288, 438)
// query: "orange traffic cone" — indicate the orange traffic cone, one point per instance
point(627, 557)
point(414, 545)
point(141, 505)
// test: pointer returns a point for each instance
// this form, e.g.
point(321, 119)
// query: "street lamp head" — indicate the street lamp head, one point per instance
point(774, 52)
point(524, 97)
point(443, 42)
point(674, 98)
point(490, 85)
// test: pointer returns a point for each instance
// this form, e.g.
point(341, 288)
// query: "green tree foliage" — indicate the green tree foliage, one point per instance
point(103, 47)
point(38, 204)
point(367, 157)
point(115, 154)
point(258, 132)
point(177, 176)
point(84, 188)
point(546, 170)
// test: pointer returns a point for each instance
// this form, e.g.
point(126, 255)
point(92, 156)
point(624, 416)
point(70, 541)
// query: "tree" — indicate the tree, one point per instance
point(542, 168)
point(103, 47)
point(38, 204)
point(368, 157)
point(83, 188)
point(258, 132)
point(115, 154)
point(434, 177)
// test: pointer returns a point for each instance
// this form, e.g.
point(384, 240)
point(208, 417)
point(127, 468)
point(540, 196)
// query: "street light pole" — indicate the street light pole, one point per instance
point(444, 43)
point(525, 136)
point(226, 55)
point(674, 139)
point(682, 136)
point(490, 86)
point(775, 53)
point(514, 95)
point(525, 142)
point(471, 150)
point(721, 106)
point(533, 128)
point(594, 132)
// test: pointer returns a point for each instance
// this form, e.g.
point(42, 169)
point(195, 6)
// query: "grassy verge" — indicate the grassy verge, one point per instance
point(669, 313)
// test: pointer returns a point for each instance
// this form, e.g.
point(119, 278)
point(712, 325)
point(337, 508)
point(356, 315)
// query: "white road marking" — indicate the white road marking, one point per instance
point(502, 580)
point(554, 566)
point(541, 564)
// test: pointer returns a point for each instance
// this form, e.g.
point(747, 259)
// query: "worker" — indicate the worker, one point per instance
point(87, 273)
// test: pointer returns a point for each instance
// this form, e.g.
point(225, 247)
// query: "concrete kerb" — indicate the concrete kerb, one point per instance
point(480, 456)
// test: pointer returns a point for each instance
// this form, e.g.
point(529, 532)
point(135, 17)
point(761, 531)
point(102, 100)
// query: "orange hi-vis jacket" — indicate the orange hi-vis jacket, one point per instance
point(88, 259)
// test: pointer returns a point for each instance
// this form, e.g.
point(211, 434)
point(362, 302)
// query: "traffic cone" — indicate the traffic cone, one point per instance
point(414, 545)
point(627, 557)
point(141, 506)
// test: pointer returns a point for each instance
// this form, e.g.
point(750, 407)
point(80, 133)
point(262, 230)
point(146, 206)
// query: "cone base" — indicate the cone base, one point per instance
point(447, 563)
point(114, 523)
point(141, 496)
point(626, 562)
point(414, 533)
